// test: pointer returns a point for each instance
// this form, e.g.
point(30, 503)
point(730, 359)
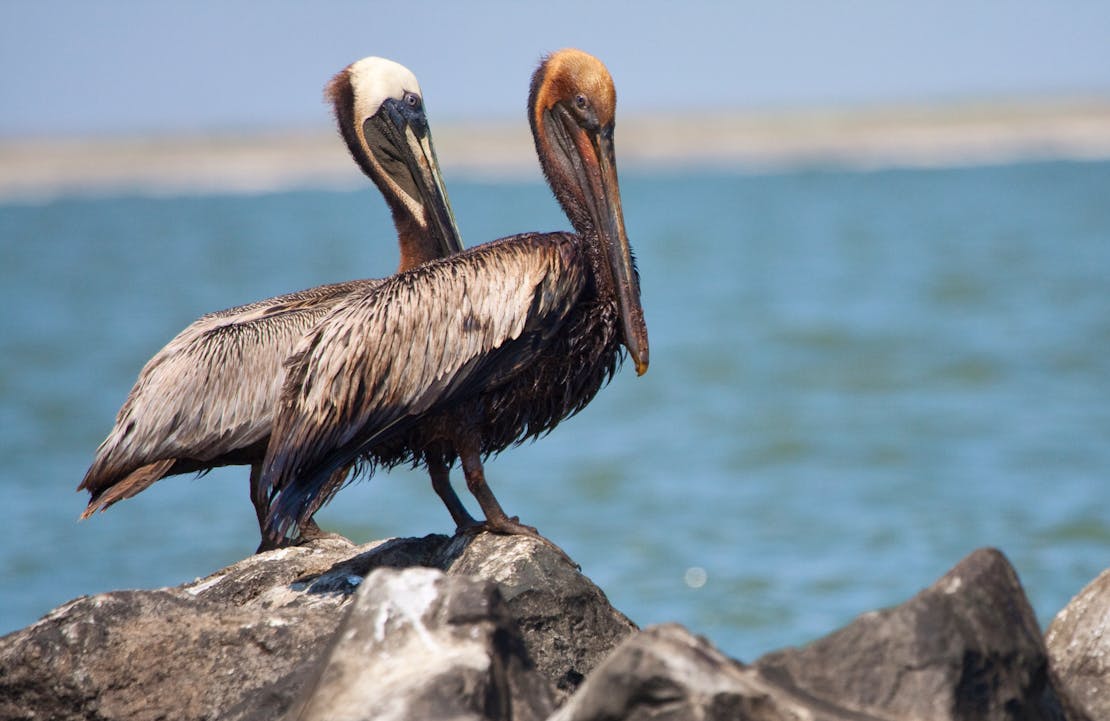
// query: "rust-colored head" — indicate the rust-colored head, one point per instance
point(571, 107)
point(570, 73)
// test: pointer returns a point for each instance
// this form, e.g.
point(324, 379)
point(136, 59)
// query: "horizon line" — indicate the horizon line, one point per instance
point(852, 138)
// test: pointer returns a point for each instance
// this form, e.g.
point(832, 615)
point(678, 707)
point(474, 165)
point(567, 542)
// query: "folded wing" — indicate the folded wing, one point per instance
point(422, 340)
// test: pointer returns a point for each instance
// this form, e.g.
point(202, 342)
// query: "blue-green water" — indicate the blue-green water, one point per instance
point(856, 379)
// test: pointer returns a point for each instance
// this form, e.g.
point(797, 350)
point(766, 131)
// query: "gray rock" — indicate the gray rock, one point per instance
point(184, 653)
point(568, 624)
point(1078, 642)
point(243, 642)
point(665, 673)
point(967, 648)
point(417, 644)
point(506, 627)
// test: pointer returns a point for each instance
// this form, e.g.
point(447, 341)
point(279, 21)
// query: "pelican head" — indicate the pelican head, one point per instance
point(571, 107)
point(380, 112)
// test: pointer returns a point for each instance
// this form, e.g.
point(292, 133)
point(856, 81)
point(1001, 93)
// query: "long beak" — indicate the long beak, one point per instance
point(433, 194)
point(605, 205)
point(402, 142)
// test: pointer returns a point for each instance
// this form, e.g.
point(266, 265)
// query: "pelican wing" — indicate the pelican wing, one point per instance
point(421, 340)
point(208, 393)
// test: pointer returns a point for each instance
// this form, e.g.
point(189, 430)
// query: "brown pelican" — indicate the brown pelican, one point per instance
point(467, 355)
point(206, 399)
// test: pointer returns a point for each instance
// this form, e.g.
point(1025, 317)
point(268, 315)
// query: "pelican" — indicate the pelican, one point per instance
point(467, 355)
point(206, 399)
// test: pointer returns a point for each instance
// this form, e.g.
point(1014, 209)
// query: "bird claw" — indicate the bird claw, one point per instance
point(507, 526)
point(473, 528)
point(512, 527)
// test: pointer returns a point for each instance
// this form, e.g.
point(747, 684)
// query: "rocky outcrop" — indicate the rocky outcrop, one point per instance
point(419, 644)
point(1078, 642)
point(490, 627)
point(244, 642)
point(667, 673)
point(967, 648)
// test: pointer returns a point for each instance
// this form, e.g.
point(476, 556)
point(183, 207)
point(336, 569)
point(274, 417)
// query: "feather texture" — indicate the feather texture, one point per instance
point(467, 355)
point(206, 399)
point(491, 334)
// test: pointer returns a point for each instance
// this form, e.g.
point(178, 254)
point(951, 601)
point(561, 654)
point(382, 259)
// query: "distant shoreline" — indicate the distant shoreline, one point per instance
point(938, 136)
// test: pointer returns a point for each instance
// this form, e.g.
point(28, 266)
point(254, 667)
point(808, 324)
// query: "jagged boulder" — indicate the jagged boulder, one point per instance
point(245, 641)
point(967, 648)
point(418, 644)
point(190, 652)
point(488, 627)
point(665, 673)
point(568, 624)
point(1078, 641)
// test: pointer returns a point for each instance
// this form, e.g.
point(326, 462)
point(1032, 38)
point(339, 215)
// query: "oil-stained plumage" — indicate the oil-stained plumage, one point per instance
point(467, 355)
point(206, 399)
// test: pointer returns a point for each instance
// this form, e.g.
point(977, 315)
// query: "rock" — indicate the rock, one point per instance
point(1078, 642)
point(967, 648)
point(187, 652)
point(418, 644)
point(245, 641)
point(493, 627)
point(665, 673)
point(567, 622)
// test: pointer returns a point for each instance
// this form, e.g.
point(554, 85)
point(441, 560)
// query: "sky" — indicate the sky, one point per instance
point(118, 68)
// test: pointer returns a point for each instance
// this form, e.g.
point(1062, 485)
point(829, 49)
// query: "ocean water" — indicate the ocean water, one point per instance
point(857, 378)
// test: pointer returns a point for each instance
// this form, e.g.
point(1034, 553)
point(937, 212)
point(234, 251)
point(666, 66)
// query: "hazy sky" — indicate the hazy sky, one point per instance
point(79, 68)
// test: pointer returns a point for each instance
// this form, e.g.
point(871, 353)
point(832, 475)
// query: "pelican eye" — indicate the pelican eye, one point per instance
point(582, 111)
point(412, 100)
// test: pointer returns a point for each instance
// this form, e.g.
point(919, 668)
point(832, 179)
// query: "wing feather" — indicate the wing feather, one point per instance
point(210, 391)
point(418, 342)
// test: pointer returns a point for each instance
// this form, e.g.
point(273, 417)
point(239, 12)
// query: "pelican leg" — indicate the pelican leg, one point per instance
point(496, 519)
point(261, 507)
point(310, 531)
point(441, 482)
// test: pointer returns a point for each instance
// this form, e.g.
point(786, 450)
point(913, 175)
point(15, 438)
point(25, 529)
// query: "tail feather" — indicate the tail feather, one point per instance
point(294, 506)
point(134, 482)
